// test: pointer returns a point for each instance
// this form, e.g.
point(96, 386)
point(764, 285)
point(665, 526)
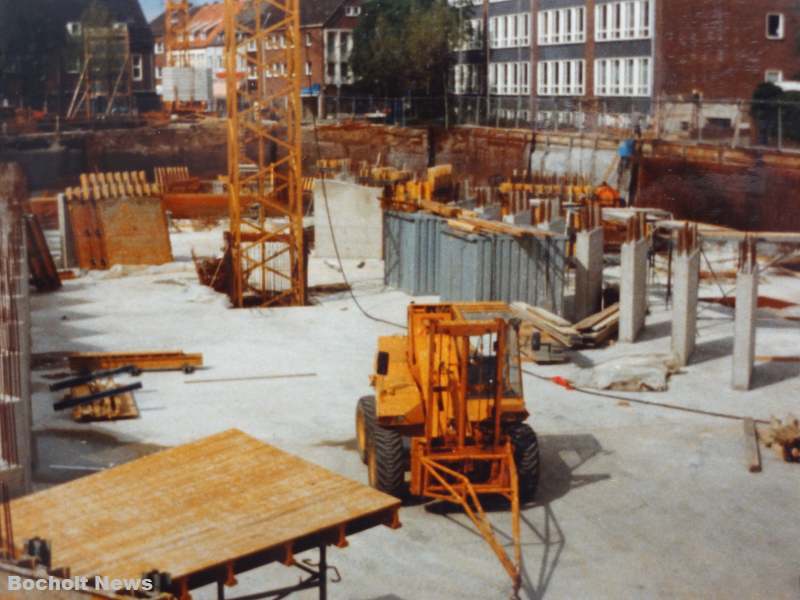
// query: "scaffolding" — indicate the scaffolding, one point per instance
point(106, 72)
point(265, 205)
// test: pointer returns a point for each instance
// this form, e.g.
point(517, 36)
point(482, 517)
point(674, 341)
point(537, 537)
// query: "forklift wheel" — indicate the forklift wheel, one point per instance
point(526, 457)
point(386, 461)
point(365, 420)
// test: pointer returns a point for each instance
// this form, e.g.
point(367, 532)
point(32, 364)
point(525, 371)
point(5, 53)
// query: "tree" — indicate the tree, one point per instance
point(764, 110)
point(403, 47)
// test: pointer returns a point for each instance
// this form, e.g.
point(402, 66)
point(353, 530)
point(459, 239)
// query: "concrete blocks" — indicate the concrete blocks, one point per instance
point(588, 272)
point(686, 272)
point(744, 340)
point(633, 289)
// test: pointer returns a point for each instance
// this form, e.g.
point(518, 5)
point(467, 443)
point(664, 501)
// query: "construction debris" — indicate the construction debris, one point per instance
point(632, 373)
point(783, 438)
point(97, 397)
point(157, 360)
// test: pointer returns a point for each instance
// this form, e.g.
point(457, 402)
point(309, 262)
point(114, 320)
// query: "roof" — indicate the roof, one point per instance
point(122, 11)
point(157, 24)
point(317, 12)
point(192, 509)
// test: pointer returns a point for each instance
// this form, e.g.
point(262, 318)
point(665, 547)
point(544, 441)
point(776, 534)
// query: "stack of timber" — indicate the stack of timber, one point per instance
point(783, 438)
point(176, 179)
point(556, 335)
point(117, 218)
point(599, 328)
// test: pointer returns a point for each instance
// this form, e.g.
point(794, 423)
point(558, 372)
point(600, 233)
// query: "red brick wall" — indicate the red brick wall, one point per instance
point(313, 54)
point(720, 47)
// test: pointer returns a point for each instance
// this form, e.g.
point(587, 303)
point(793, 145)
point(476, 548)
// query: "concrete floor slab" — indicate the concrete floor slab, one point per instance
point(635, 501)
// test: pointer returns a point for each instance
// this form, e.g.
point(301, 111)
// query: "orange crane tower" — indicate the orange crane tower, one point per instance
point(264, 155)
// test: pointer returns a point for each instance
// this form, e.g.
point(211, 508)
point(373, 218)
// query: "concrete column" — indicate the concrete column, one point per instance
point(633, 289)
point(588, 272)
point(744, 340)
point(686, 273)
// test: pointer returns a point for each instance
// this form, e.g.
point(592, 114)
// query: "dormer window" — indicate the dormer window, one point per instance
point(74, 28)
point(352, 10)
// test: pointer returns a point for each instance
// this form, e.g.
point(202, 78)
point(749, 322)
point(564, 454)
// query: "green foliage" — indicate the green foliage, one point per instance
point(772, 107)
point(403, 47)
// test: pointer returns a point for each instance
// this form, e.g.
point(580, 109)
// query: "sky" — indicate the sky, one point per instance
point(153, 8)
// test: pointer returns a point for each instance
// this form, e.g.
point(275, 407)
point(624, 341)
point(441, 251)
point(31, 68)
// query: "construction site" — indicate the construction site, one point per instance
point(266, 354)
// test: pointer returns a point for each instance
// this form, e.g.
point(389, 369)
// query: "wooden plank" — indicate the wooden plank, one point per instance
point(752, 453)
point(596, 318)
point(193, 508)
point(146, 360)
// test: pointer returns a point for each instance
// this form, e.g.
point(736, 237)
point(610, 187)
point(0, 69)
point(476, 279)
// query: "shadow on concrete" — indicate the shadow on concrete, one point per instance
point(655, 331)
point(62, 455)
point(552, 539)
point(766, 374)
point(579, 359)
point(712, 350)
point(561, 456)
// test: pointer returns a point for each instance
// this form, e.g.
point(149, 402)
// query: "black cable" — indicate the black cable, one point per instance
point(647, 402)
point(333, 235)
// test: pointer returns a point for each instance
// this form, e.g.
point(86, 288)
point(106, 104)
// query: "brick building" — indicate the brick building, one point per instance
point(68, 64)
point(326, 36)
point(619, 56)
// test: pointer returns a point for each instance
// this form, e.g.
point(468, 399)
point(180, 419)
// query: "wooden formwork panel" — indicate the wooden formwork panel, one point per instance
point(125, 231)
point(135, 231)
point(195, 508)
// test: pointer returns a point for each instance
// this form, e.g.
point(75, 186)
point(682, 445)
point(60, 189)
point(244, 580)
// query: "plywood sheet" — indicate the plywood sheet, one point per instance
point(190, 508)
point(135, 231)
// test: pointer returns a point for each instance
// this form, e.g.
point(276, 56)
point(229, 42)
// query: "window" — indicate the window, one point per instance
point(137, 67)
point(251, 46)
point(622, 76)
point(158, 72)
point(308, 69)
point(773, 76)
point(473, 35)
point(352, 11)
point(74, 28)
point(775, 26)
point(509, 31)
point(561, 78)
point(562, 26)
point(510, 78)
point(308, 40)
point(627, 20)
point(159, 48)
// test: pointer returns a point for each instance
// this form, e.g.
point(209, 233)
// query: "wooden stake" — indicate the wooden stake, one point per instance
point(752, 452)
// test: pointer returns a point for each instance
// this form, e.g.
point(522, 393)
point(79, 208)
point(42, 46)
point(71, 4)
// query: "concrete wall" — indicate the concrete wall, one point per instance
point(356, 215)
